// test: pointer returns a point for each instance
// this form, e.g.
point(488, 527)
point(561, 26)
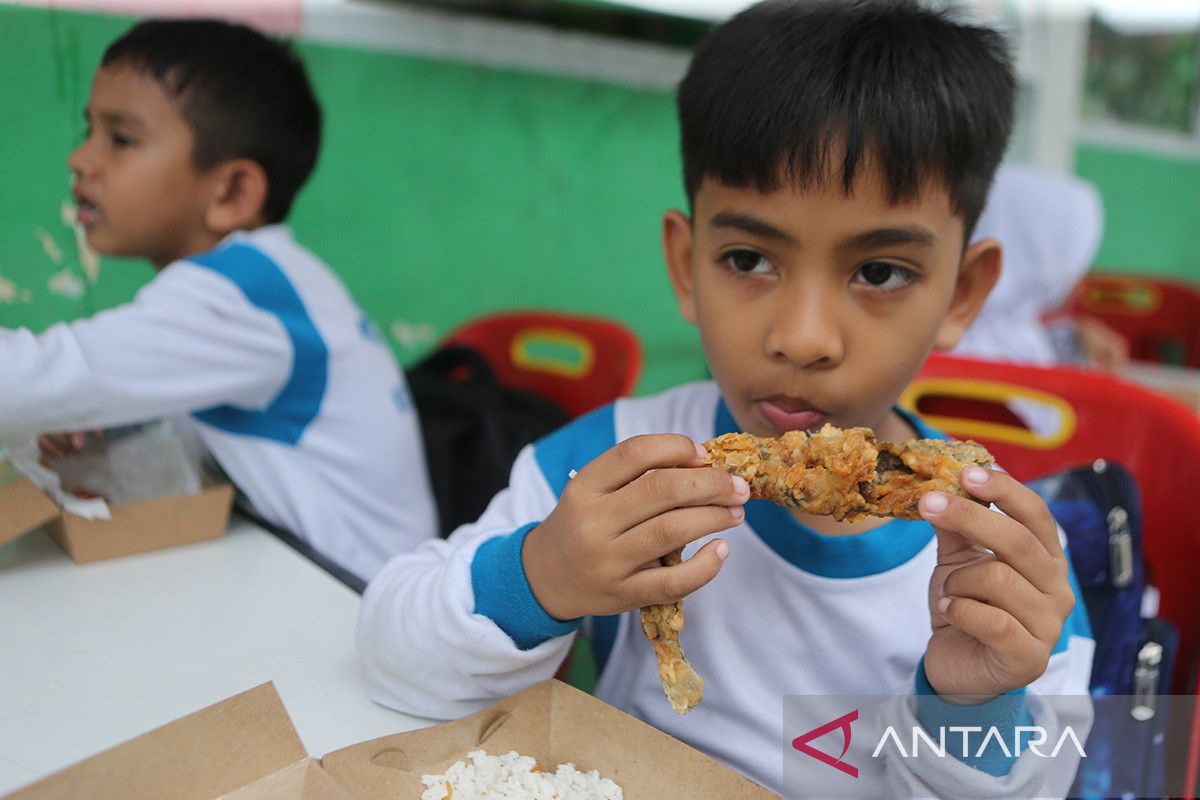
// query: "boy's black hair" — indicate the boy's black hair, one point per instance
point(243, 94)
point(786, 86)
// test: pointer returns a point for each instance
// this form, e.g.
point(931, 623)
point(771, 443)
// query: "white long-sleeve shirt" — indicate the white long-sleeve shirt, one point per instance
point(257, 349)
point(453, 626)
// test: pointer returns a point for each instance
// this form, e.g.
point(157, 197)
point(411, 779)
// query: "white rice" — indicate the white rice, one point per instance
point(511, 777)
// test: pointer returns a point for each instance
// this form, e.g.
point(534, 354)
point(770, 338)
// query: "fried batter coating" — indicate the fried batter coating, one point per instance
point(662, 624)
point(845, 473)
point(840, 472)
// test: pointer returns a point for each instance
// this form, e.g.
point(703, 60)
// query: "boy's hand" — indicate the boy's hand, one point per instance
point(598, 551)
point(996, 616)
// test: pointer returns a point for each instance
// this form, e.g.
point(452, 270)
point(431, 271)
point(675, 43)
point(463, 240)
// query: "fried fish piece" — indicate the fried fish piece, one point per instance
point(840, 472)
point(662, 624)
point(844, 472)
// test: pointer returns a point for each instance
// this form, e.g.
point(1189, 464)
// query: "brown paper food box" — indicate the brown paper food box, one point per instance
point(245, 748)
point(134, 527)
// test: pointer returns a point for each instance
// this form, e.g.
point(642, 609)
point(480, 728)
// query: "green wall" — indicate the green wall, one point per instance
point(1152, 211)
point(443, 191)
point(447, 190)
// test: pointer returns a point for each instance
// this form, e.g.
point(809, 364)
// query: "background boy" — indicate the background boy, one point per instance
point(200, 134)
point(836, 157)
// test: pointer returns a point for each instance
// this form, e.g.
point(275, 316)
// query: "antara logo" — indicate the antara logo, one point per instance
point(801, 743)
point(1030, 736)
point(1025, 739)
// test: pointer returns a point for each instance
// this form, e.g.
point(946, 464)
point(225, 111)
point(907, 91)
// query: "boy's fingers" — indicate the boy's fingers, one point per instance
point(1011, 541)
point(1016, 500)
point(633, 457)
point(1000, 633)
point(662, 490)
point(999, 585)
point(668, 584)
point(655, 537)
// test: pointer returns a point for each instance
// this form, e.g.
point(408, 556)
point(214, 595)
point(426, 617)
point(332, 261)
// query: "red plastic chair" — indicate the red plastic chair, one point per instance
point(1037, 420)
point(579, 362)
point(1159, 317)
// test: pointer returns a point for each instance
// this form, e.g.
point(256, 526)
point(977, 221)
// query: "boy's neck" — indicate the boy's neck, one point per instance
point(828, 526)
point(202, 244)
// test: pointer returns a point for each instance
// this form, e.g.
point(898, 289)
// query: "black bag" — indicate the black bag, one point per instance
point(1099, 509)
point(473, 428)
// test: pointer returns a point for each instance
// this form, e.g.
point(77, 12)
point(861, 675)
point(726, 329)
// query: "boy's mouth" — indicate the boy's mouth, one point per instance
point(86, 212)
point(790, 413)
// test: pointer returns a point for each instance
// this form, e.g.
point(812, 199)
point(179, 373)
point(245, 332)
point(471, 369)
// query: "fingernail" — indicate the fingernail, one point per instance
point(976, 475)
point(935, 502)
point(701, 453)
point(943, 604)
point(722, 550)
point(942, 589)
point(737, 512)
point(740, 486)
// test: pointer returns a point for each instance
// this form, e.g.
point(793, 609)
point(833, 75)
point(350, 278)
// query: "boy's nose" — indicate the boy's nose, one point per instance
point(805, 330)
point(80, 162)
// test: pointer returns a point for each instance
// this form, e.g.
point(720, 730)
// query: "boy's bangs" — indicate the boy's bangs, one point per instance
point(810, 92)
point(836, 158)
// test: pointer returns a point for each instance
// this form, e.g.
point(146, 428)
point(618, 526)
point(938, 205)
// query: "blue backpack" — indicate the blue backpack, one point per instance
point(1099, 509)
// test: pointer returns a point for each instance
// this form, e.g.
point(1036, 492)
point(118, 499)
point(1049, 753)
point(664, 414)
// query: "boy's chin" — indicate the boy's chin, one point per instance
point(110, 249)
point(101, 244)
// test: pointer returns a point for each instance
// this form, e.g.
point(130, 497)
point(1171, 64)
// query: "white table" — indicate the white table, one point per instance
point(93, 655)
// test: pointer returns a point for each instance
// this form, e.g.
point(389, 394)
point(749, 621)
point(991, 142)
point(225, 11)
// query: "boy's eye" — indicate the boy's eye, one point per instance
point(747, 261)
point(121, 140)
point(884, 276)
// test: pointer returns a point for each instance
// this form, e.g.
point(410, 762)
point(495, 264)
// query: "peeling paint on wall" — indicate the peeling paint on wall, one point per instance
point(49, 246)
point(412, 335)
point(66, 283)
point(11, 294)
point(89, 259)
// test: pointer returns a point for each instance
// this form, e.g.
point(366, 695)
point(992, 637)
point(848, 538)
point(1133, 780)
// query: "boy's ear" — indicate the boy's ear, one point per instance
point(677, 250)
point(977, 275)
point(239, 192)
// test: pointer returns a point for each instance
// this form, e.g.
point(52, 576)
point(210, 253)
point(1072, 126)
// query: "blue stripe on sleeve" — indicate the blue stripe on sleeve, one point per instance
point(299, 401)
point(1004, 713)
point(503, 594)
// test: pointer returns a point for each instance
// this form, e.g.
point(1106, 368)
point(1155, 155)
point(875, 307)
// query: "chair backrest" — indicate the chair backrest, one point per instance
point(1037, 420)
point(579, 362)
point(1159, 317)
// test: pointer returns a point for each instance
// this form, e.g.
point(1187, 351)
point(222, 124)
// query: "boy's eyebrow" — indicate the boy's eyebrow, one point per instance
point(889, 237)
point(873, 239)
point(113, 118)
point(749, 224)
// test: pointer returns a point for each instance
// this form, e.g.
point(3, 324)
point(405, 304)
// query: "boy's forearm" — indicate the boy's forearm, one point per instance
point(45, 384)
point(161, 355)
point(426, 651)
point(426, 644)
point(1055, 701)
